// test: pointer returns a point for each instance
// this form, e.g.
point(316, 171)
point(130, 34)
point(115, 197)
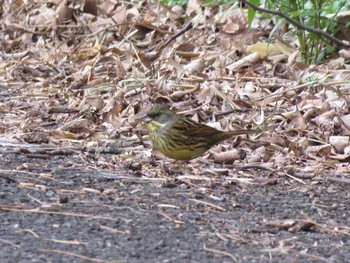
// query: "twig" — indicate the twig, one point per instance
point(7, 178)
point(327, 229)
point(297, 24)
point(286, 90)
point(9, 242)
point(209, 204)
point(338, 180)
point(61, 110)
point(36, 200)
point(115, 231)
point(31, 232)
point(55, 213)
point(314, 257)
point(69, 242)
point(294, 178)
point(169, 218)
point(255, 166)
point(161, 46)
point(220, 252)
point(79, 256)
point(45, 152)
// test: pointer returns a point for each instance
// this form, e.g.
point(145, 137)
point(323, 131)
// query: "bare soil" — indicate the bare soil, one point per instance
point(54, 211)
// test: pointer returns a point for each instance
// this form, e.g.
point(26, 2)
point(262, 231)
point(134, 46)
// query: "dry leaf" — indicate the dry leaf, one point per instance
point(229, 156)
point(193, 7)
point(339, 142)
point(246, 61)
point(264, 49)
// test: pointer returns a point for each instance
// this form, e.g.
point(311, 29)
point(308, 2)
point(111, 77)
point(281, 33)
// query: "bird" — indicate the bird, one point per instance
point(180, 138)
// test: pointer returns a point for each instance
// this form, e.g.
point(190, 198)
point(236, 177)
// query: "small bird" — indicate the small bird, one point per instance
point(180, 138)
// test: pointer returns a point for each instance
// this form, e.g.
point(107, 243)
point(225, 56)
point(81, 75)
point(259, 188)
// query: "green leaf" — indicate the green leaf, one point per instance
point(252, 12)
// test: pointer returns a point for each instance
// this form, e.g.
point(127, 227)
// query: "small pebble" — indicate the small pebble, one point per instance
point(50, 193)
point(63, 199)
point(335, 205)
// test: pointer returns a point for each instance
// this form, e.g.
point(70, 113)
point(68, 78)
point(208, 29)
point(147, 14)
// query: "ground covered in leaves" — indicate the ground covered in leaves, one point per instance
point(79, 180)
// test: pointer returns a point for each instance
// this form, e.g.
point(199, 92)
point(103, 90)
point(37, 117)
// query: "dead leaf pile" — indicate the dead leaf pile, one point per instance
point(75, 73)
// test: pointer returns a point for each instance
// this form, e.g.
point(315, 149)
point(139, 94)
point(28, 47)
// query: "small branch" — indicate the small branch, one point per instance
point(297, 24)
point(208, 204)
point(219, 252)
point(338, 180)
point(7, 178)
point(161, 46)
point(61, 110)
point(84, 258)
point(9, 243)
point(32, 151)
point(4, 208)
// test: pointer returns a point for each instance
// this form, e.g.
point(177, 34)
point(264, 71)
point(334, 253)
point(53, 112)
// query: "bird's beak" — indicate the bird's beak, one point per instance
point(146, 118)
point(142, 115)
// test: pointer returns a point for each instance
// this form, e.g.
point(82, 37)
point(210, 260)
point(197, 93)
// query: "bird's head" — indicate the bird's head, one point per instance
point(160, 113)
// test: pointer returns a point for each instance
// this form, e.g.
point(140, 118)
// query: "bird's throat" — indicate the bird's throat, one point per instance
point(155, 126)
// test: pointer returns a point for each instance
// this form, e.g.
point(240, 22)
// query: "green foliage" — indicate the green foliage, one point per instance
point(318, 14)
point(218, 2)
point(174, 2)
point(205, 2)
point(252, 12)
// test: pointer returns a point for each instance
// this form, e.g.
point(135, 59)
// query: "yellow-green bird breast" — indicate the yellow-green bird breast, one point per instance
point(173, 144)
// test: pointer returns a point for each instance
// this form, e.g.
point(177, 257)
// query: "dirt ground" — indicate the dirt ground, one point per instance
point(58, 209)
point(78, 74)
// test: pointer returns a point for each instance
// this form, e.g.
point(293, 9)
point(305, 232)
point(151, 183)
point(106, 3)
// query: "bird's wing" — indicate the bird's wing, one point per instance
point(191, 128)
point(194, 129)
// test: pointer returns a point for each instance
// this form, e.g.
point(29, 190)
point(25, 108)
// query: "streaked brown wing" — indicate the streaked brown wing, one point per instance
point(192, 129)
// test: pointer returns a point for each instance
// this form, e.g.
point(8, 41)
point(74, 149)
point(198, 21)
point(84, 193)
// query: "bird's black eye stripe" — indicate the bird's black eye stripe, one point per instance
point(154, 115)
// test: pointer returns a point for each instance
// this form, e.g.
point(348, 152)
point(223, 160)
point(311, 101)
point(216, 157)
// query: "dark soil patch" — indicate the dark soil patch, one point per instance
point(55, 213)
